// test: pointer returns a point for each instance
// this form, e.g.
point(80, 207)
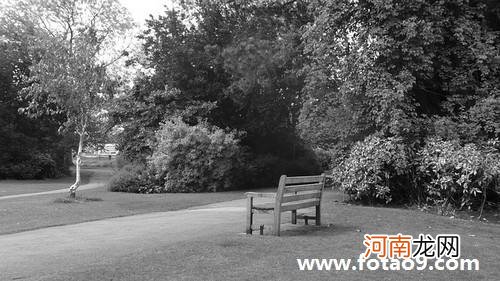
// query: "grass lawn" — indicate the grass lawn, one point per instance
point(235, 256)
point(240, 257)
point(39, 211)
point(13, 187)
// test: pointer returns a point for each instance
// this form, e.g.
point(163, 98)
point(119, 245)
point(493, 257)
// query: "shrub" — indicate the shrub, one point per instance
point(196, 158)
point(457, 176)
point(203, 158)
point(38, 166)
point(47, 166)
point(325, 158)
point(121, 161)
point(374, 170)
point(134, 178)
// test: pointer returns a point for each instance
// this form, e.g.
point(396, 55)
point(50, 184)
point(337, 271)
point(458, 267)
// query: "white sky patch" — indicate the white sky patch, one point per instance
point(141, 9)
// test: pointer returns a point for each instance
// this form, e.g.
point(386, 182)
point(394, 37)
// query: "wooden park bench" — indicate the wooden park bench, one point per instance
point(293, 193)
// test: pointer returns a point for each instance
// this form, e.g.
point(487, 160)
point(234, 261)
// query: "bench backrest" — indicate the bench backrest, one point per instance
point(299, 192)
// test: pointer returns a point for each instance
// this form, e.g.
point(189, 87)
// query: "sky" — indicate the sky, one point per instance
point(141, 9)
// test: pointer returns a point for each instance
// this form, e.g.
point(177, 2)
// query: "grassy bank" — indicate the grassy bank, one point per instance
point(33, 212)
point(13, 187)
point(234, 256)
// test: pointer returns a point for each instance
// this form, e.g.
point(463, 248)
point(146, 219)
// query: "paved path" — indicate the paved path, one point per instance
point(58, 250)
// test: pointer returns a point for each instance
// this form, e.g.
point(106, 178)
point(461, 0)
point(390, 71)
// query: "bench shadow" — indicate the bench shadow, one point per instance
point(313, 230)
point(291, 230)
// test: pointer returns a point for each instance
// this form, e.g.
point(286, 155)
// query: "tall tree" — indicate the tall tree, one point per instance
point(68, 76)
point(242, 56)
point(397, 67)
point(30, 147)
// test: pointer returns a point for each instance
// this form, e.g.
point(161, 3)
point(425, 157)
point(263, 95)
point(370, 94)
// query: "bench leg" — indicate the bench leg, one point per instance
point(294, 217)
point(249, 215)
point(277, 222)
point(318, 215)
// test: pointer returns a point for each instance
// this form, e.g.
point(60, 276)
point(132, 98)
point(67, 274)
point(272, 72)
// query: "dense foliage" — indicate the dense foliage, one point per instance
point(399, 99)
point(458, 176)
point(375, 169)
point(413, 71)
point(62, 75)
point(370, 85)
point(135, 178)
point(401, 69)
point(237, 67)
point(30, 148)
point(196, 158)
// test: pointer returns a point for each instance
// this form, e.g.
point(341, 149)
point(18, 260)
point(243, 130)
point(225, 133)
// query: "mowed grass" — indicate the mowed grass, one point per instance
point(235, 256)
point(13, 187)
point(20, 214)
point(27, 213)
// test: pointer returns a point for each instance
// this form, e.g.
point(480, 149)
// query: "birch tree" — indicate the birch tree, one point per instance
point(70, 46)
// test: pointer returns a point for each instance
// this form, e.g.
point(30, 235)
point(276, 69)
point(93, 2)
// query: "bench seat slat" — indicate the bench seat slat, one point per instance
point(261, 194)
point(303, 187)
point(299, 197)
point(304, 179)
point(295, 206)
point(264, 207)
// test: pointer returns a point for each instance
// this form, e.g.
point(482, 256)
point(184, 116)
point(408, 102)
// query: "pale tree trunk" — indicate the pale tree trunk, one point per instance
point(74, 187)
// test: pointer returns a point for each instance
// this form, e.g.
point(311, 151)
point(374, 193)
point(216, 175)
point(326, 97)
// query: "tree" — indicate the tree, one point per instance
point(420, 72)
point(241, 56)
point(68, 75)
point(31, 148)
point(264, 61)
point(400, 68)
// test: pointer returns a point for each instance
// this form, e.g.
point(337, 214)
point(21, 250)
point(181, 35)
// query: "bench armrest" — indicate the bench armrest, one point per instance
point(261, 194)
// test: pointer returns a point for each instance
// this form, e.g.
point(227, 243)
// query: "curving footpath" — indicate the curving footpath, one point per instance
point(52, 251)
point(96, 174)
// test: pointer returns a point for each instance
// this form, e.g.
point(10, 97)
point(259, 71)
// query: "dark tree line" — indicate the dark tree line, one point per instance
point(399, 99)
point(30, 148)
point(399, 68)
point(236, 64)
point(405, 97)
point(384, 92)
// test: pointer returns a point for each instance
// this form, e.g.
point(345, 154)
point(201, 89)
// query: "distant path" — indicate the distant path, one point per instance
point(97, 179)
